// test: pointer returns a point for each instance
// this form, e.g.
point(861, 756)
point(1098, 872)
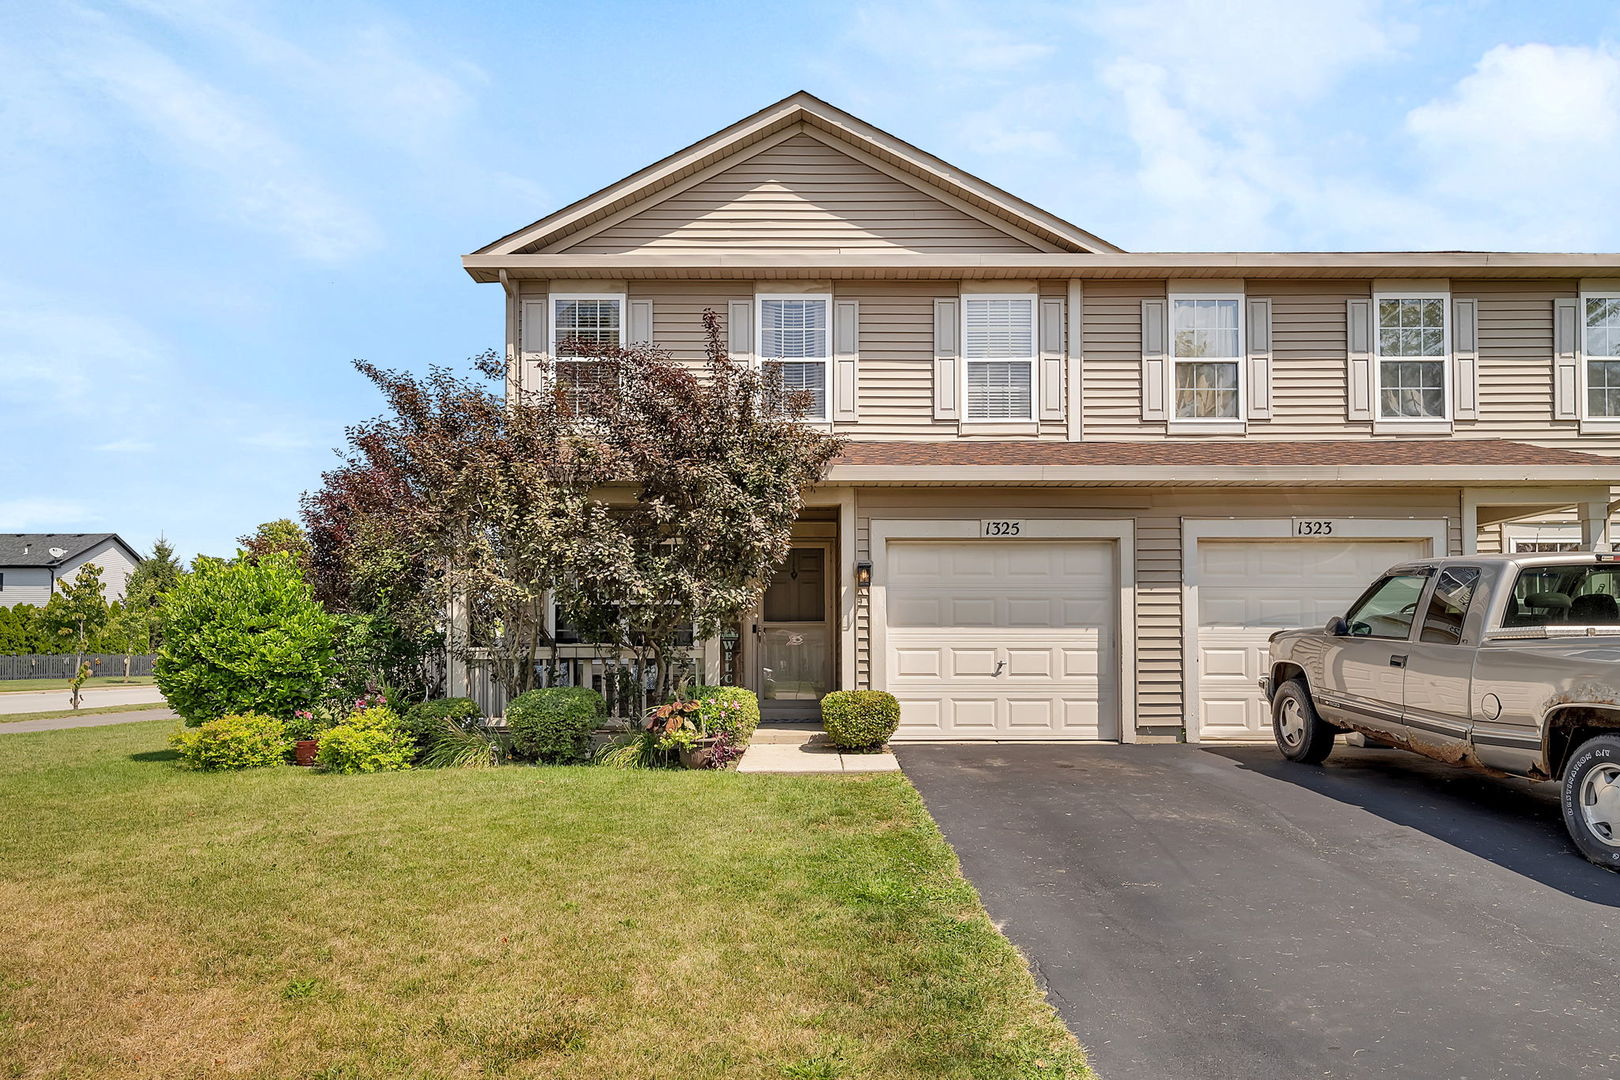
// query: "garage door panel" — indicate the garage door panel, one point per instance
point(1045, 610)
point(1249, 588)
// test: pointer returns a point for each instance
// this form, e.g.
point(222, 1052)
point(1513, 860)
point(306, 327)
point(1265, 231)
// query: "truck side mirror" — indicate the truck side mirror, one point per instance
point(1337, 627)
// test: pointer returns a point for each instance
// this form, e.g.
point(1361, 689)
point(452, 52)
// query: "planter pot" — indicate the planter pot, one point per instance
point(304, 751)
point(698, 757)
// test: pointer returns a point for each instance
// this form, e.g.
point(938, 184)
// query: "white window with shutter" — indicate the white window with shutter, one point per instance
point(1411, 367)
point(582, 325)
point(999, 358)
point(1600, 356)
point(795, 339)
point(1207, 357)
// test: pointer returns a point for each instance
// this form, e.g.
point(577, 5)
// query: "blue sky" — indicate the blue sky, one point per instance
point(211, 207)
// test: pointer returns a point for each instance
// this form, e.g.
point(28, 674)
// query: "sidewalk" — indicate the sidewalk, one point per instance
point(782, 748)
point(96, 696)
point(59, 723)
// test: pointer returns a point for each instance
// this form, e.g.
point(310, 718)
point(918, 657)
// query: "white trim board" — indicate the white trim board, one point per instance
point(1434, 530)
point(1122, 531)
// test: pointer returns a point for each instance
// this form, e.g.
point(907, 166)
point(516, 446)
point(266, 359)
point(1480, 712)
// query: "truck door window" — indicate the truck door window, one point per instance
point(1387, 609)
point(1575, 594)
point(1453, 592)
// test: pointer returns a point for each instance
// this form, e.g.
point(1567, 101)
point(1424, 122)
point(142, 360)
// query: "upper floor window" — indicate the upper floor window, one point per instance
point(998, 355)
point(793, 339)
point(1602, 352)
point(1411, 360)
point(1207, 347)
point(580, 327)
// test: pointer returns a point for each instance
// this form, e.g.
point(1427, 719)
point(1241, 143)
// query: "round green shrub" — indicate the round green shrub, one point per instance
point(746, 717)
point(248, 741)
point(553, 725)
point(243, 637)
point(372, 740)
point(425, 721)
point(859, 719)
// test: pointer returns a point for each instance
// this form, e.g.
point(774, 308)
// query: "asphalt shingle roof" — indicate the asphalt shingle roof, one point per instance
point(35, 549)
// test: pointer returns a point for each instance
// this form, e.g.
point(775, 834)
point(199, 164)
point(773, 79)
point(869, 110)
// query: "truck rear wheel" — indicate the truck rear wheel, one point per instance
point(1301, 735)
point(1591, 800)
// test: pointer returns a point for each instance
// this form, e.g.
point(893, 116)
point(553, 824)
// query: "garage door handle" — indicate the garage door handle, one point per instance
point(1397, 661)
point(1000, 664)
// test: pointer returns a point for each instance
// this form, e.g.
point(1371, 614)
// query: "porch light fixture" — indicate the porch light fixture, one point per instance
point(863, 574)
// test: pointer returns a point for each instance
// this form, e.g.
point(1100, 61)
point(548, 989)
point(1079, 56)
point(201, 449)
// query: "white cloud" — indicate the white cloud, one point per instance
point(80, 359)
point(42, 514)
point(250, 172)
point(949, 38)
point(1527, 145)
point(126, 446)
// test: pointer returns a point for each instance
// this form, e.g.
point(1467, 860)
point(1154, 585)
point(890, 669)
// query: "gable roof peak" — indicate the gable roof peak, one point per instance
point(920, 168)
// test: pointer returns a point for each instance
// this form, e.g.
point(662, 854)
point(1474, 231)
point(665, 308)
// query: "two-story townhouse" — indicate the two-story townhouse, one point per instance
point(1083, 485)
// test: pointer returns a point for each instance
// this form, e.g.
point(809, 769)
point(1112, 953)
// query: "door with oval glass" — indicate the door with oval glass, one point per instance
point(794, 635)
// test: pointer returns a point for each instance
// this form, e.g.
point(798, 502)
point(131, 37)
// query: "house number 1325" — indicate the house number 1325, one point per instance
point(1001, 528)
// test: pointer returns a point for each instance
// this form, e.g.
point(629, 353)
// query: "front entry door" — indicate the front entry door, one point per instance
point(794, 636)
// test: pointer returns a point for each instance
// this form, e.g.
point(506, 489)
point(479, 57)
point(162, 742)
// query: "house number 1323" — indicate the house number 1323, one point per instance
point(1000, 528)
point(1312, 527)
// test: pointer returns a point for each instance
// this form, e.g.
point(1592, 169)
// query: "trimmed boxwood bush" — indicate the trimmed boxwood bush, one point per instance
point(372, 740)
point(553, 725)
point(859, 719)
point(747, 716)
point(248, 741)
point(425, 721)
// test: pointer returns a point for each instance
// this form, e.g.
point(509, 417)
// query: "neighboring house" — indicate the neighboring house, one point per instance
point(32, 563)
point(1084, 485)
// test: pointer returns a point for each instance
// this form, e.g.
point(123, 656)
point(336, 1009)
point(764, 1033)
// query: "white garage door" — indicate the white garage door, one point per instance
point(1249, 588)
point(1003, 639)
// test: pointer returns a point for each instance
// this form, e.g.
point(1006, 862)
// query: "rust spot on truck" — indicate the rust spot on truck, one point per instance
point(1448, 751)
point(1593, 694)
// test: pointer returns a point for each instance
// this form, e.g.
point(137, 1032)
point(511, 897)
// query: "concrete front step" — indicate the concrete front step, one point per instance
point(790, 734)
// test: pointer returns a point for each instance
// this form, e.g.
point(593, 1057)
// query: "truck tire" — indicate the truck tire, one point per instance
point(1591, 799)
point(1302, 736)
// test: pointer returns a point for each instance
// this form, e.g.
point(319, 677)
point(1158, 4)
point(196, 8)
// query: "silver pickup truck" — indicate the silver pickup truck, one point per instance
point(1508, 664)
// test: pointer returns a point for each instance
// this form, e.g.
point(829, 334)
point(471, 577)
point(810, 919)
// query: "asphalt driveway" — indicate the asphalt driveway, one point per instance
point(1198, 914)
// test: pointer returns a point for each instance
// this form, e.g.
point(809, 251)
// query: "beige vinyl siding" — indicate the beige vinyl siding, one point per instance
point(116, 566)
point(800, 195)
point(678, 308)
point(1112, 385)
point(25, 585)
point(896, 359)
point(1309, 380)
point(1158, 515)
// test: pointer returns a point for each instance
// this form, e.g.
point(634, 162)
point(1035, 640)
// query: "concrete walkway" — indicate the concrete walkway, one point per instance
point(94, 698)
point(59, 723)
point(782, 748)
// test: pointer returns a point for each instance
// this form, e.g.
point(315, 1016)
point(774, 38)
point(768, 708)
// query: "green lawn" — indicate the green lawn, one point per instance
point(517, 922)
point(12, 718)
point(17, 686)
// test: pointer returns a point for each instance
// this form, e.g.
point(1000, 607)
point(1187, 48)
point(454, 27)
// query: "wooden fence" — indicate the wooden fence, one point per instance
point(47, 666)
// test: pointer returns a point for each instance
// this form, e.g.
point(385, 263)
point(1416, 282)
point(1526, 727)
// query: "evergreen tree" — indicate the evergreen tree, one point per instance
point(152, 580)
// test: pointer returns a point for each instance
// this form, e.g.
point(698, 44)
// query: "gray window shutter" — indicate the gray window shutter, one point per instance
point(947, 353)
point(1566, 358)
point(532, 343)
point(1155, 359)
point(1051, 374)
point(846, 359)
point(640, 324)
point(1359, 373)
point(1259, 373)
point(1465, 359)
point(740, 330)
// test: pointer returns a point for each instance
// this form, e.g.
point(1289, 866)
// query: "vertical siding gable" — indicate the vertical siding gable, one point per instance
point(800, 195)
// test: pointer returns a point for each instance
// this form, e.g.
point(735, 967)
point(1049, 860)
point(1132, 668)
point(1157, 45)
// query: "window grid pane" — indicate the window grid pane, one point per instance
point(793, 329)
point(999, 389)
point(807, 377)
point(1206, 390)
point(1206, 328)
point(1411, 327)
point(587, 323)
point(1412, 389)
point(999, 329)
point(1603, 387)
point(1603, 326)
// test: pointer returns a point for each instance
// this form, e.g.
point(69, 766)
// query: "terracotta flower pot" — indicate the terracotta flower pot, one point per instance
point(304, 751)
point(697, 757)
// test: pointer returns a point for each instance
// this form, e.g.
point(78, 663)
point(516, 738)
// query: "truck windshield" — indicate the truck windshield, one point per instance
point(1580, 594)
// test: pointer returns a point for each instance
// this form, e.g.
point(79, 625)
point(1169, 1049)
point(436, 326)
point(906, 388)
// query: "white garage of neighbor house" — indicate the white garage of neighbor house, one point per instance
point(1082, 485)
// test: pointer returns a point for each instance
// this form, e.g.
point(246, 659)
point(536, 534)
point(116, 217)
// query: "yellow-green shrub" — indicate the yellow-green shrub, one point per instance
point(245, 741)
point(372, 740)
